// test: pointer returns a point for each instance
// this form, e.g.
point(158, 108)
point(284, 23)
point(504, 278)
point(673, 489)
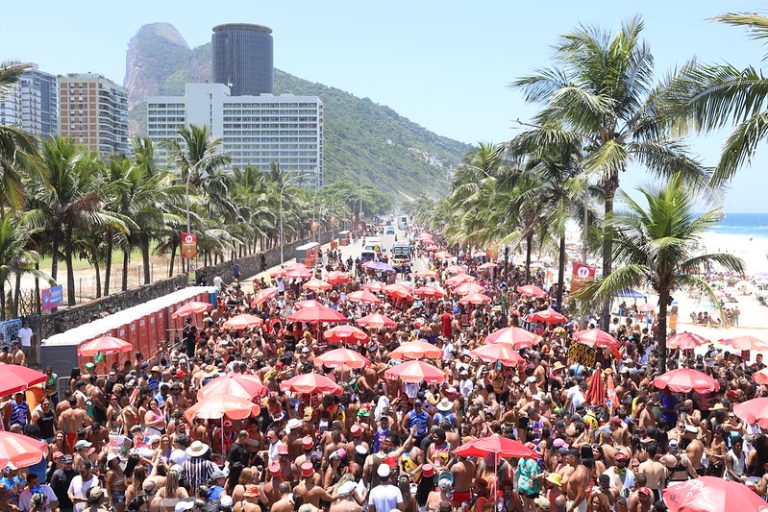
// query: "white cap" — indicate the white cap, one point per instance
point(348, 487)
point(383, 471)
point(226, 501)
point(184, 505)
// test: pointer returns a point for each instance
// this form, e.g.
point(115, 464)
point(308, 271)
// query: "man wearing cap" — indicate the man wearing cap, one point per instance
point(621, 478)
point(78, 487)
point(679, 468)
point(307, 490)
point(347, 499)
point(271, 487)
point(307, 443)
point(82, 449)
point(385, 497)
point(292, 438)
point(356, 431)
point(95, 498)
point(60, 481)
point(289, 470)
point(35, 487)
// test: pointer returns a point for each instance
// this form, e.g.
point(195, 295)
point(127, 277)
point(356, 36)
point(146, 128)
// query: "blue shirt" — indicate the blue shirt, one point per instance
point(669, 402)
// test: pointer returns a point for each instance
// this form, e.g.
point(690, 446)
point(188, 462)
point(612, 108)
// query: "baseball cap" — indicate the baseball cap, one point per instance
point(383, 471)
point(82, 444)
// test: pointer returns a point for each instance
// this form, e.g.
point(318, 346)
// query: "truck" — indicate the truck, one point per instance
point(401, 255)
point(371, 250)
point(402, 223)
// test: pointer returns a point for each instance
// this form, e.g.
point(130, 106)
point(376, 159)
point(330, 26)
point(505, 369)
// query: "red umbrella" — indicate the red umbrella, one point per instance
point(296, 266)
point(479, 254)
point(264, 295)
point(549, 316)
point(515, 336)
point(459, 279)
point(316, 285)
point(104, 344)
point(310, 383)
point(596, 391)
point(761, 377)
point(416, 372)
point(416, 350)
point(342, 357)
point(498, 352)
point(377, 321)
point(596, 338)
point(751, 411)
point(345, 334)
point(712, 494)
point(393, 289)
point(429, 291)
point(316, 315)
point(278, 272)
point(364, 296)
point(425, 273)
point(216, 406)
point(298, 273)
point(192, 308)
point(236, 385)
point(374, 286)
point(500, 447)
point(475, 298)
point(243, 322)
point(311, 303)
point(686, 340)
point(745, 343)
point(20, 450)
point(468, 288)
point(488, 265)
point(684, 380)
point(532, 291)
point(455, 269)
point(337, 277)
point(18, 378)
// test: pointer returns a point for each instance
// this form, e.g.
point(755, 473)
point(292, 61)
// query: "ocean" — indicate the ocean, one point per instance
point(745, 224)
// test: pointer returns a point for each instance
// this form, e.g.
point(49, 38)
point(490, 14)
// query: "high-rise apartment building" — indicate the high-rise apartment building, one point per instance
point(94, 112)
point(242, 58)
point(31, 104)
point(255, 130)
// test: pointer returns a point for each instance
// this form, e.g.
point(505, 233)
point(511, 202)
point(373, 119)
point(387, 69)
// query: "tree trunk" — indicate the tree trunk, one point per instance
point(55, 253)
point(506, 263)
point(145, 258)
point(126, 261)
point(108, 264)
point(173, 260)
point(70, 270)
point(98, 276)
point(561, 273)
point(662, 336)
point(17, 295)
point(2, 300)
point(528, 249)
point(610, 187)
point(37, 288)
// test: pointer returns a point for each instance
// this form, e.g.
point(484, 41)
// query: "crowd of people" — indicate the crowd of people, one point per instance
point(122, 441)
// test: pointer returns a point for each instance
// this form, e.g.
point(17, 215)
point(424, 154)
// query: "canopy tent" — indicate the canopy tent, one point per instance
point(629, 293)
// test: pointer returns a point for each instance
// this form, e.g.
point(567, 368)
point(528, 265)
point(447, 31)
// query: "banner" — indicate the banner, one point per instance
point(8, 330)
point(582, 274)
point(188, 245)
point(51, 297)
point(582, 354)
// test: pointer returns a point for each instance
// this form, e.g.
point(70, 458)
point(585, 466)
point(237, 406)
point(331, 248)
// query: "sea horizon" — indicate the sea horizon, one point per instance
point(743, 224)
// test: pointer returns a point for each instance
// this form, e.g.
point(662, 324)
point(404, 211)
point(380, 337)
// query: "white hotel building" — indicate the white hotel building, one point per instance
point(255, 130)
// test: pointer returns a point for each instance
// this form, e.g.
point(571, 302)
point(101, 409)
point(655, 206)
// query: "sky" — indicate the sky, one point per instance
point(445, 64)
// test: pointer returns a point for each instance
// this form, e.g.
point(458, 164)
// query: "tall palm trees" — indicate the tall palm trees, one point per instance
point(659, 243)
point(602, 88)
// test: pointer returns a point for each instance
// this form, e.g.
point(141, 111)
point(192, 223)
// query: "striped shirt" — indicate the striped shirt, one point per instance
point(19, 413)
point(196, 472)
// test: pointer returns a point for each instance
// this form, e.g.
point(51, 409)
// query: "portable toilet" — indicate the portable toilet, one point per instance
point(344, 238)
point(308, 253)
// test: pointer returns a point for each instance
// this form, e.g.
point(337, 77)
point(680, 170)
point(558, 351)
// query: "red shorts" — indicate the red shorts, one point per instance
point(461, 497)
point(71, 439)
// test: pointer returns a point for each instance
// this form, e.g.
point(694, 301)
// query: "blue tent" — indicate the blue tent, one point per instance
point(628, 293)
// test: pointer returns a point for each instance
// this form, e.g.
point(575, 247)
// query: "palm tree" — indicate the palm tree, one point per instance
point(603, 89)
point(659, 243)
point(707, 97)
point(197, 152)
point(15, 259)
point(12, 142)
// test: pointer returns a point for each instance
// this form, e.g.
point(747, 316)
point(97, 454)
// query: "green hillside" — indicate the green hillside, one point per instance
point(360, 136)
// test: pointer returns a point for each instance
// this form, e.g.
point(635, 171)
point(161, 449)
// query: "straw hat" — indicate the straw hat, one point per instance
point(197, 449)
point(445, 405)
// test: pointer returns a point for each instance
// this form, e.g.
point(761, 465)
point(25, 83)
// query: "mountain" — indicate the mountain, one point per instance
point(392, 152)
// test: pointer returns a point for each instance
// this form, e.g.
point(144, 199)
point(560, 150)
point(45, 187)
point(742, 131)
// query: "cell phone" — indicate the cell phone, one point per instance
point(498, 366)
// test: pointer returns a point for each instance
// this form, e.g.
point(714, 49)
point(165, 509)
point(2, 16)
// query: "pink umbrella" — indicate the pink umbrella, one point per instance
point(425, 273)
point(416, 372)
point(215, 407)
point(278, 272)
point(342, 357)
point(416, 350)
point(374, 286)
point(488, 265)
point(686, 340)
point(316, 285)
point(442, 255)
point(532, 291)
point(18, 378)
point(685, 380)
point(596, 392)
point(753, 411)
point(337, 277)
point(243, 322)
point(479, 254)
point(377, 321)
point(500, 447)
point(596, 338)
point(455, 269)
point(515, 336)
point(21, 451)
point(459, 279)
point(429, 291)
point(317, 315)
point(298, 273)
point(311, 383)
point(105, 345)
point(712, 494)
point(234, 384)
point(191, 308)
point(549, 316)
point(475, 298)
point(498, 352)
point(345, 334)
point(364, 296)
point(761, 377)
point(264, 295)
point(746, 343)
point(646, 307)
point(311, 303)
point(468, 288)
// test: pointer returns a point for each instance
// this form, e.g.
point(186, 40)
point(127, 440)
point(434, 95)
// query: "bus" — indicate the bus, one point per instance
point(401, 255)
point(402, 223)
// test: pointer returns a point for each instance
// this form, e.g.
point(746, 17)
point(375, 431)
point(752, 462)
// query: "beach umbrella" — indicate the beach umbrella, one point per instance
point(429, 291)
point(532, 291)
point(500, 447)
point(712, 494)
point(216, 406)
point(378, 266)
point(455, 269)
point(342, 357)
point(297, 265)
point(336, 277)
point(629, 293)
point(278, 272)
point(459, 279)
point(416, 350)
point(364, 296)
point(685, 380)
point(345, 334)
point(753, 411)
point(475, 298)
point(761, 377)
point(376, 321)
point(397, 288)
point(596, 338)
point(374, 286)
point(646, 307)
point(686, 340)
point(243, 321)
point(416, 372)
point(498, 352)
point(311, 303)
point(18, 378)
point(298, 273)
point(20, 450)
point(311, 383)
point(468, 288)
point(316, 285)
point(548, 316)
point(264, 295)
point(237, 385)
point(105, 345)
point(316, 315)
point(425, 273)
point(192, 308)
point(745, 343)
point(479, 254)
point(488, 265)
point(515, 336)
point(596, 390)
point(433, 248)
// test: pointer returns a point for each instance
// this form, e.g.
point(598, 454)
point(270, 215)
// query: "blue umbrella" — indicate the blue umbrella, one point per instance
point(379, 266)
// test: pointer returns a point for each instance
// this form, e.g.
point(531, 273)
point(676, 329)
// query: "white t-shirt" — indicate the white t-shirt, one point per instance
point(26, 496)
point(385, 497)
point(25, 336)
point(79, 489)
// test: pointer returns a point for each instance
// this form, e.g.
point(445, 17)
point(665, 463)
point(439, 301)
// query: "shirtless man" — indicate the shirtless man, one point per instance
point(18, 355)
point(678, 465)
point(307, 490)
point(95, 393)
point(655, 472)
point(347, 500)
point(271, 487)
point(289, 470)
point(72, 421)
point(695, 448)
point(463, 475)
point(576, 483)
point(285, 503)
point(307, 443)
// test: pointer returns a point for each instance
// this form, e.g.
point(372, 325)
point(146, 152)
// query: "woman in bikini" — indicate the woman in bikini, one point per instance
point(115, 483)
